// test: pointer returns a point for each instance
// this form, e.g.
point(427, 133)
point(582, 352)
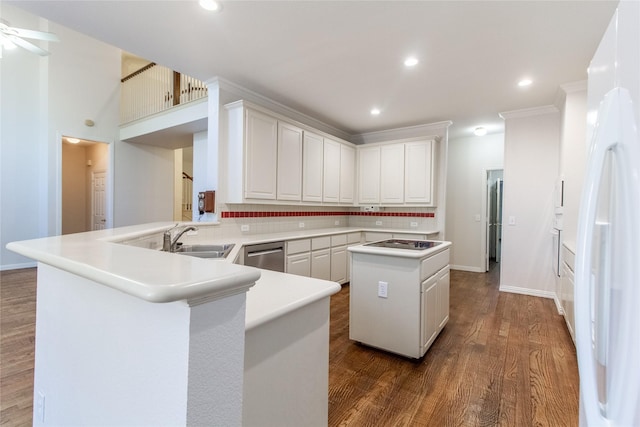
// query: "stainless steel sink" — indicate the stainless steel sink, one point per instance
point(205, 251)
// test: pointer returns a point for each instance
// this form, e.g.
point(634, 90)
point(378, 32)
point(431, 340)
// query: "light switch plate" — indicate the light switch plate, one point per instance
point(382, 289)
point(512, 220)
point(378, 222)
point(244, 227)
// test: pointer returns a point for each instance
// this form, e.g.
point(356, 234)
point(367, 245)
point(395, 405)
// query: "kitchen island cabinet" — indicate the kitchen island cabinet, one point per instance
point(129, 334)
point(399, 298)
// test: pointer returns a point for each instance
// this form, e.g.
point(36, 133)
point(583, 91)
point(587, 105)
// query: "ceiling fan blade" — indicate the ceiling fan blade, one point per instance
point(36, 35)
point(28, 46)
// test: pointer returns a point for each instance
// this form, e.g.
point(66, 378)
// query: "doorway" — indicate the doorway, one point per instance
point(493, 230)
point(84, 171)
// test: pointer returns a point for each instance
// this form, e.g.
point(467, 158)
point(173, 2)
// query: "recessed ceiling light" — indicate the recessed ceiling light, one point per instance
point(411, 61)
point(73, 140)
point(480, 131)
point(524, 82)
point(212, 5)
point(375, 111)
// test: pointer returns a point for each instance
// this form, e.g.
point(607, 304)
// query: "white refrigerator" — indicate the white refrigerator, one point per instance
point(607, 275)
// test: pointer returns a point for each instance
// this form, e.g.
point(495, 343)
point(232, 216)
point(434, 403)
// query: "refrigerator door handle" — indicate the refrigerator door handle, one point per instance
point(615, 133)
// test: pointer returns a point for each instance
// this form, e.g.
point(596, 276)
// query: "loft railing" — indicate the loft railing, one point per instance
point(155, 88)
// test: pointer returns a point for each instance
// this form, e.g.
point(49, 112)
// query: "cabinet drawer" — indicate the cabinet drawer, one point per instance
point(338, 240)
point(409, 236)
point(354, 237)
point(298, 246)
point(320, 243)
point(430, 266)
point(372, 236)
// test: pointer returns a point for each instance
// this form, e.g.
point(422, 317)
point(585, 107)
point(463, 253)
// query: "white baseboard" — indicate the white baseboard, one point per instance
point(527, 291)
point(467, 268)
point(558, 305)
point(18, 266)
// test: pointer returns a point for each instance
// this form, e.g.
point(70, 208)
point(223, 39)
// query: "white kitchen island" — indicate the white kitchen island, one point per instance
point(133, 336)
point(399, 294)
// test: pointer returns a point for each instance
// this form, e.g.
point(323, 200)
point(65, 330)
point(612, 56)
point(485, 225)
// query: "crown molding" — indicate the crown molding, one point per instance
point(431, 129)
point(528, 112)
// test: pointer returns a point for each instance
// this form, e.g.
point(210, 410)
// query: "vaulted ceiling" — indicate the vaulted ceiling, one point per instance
point(336, 60)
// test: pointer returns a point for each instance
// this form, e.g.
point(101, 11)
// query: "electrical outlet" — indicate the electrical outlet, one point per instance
point(40, 406)
point(378, 222)
point(414, 224)
point(336, 222)
point(382, 289)
point(477, 217)
point(244, 227)
point(301, 224)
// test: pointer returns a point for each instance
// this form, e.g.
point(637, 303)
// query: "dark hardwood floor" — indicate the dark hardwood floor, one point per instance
point(503, 359)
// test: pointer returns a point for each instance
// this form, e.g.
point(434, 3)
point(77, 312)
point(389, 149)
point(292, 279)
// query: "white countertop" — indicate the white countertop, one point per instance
point(158, 276)
point(402, 253)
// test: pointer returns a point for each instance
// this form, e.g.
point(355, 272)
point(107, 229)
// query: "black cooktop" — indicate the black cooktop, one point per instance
point(416, 245)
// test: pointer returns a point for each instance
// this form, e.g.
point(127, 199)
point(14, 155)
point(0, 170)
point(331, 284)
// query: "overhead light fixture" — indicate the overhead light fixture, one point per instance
point(73, 140)
point(480, 131)
point(524, 82)
point(411, 61)
point(211, 5)
point(375, 111)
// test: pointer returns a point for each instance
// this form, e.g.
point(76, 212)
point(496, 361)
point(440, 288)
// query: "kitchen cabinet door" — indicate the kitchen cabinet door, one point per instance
point(420, 172)
point(429, 308)
point(339, 264)
point(347, 173)
point(299, 264)
point(261, 155)
point(312, 167)
point(321, 264)
point(369, 175)
point(566, 298)
point(392, 174)
point(331, 171)
point(289, 182)
point(444, 277)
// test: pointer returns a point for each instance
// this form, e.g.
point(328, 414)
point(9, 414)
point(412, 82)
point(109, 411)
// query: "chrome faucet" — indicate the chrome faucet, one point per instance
point(169, 244)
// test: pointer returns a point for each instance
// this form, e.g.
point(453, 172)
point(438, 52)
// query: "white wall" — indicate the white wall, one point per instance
point(469, 159)
point(573, 155)
point(24, 146)
point(44, 98)
point(531, 161)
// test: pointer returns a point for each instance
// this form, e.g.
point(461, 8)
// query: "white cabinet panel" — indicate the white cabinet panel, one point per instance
point(321, 264)
point(392, 174)
point(369, 175)
point(429, 308)
point(289, 182)
point(261, 155)
point(339, 264)
point(347, 173)
point(299, 264)
point(312, 169)
point(331, 175)
point(444, 277)
point(419, 172)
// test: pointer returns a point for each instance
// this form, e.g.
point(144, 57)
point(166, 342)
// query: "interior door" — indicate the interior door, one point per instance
point(99, 202)
point(498, 221)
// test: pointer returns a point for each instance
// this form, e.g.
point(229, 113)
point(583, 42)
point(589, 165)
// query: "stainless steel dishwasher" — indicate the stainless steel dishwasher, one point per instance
point(269, 256)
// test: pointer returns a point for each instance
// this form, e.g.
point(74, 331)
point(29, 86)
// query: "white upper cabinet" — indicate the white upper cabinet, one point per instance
point(289, 182)
point(392, 174)
point(261, 155)
point(331, 175)
point(312, 169)
point(271, 159)
point(420, 172)
point(398, 173)
point(369, 175)
point(347, 173)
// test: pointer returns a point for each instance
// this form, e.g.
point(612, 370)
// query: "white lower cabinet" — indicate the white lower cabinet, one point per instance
point(567, 298)
point(299, 264)
point(434, 306)
point(339, 264)
point(321, 264)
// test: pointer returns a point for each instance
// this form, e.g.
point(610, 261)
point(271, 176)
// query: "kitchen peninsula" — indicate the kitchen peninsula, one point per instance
point(127, 334)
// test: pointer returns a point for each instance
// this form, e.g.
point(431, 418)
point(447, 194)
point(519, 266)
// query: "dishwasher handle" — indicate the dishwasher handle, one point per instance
point(265, 252)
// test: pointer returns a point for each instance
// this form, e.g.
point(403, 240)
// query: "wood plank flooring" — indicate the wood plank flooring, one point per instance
point(502, 360)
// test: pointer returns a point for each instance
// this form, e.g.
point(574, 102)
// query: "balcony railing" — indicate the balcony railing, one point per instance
point(155, 88)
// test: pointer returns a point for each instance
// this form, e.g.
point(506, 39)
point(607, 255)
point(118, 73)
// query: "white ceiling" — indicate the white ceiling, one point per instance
point(335, 60)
